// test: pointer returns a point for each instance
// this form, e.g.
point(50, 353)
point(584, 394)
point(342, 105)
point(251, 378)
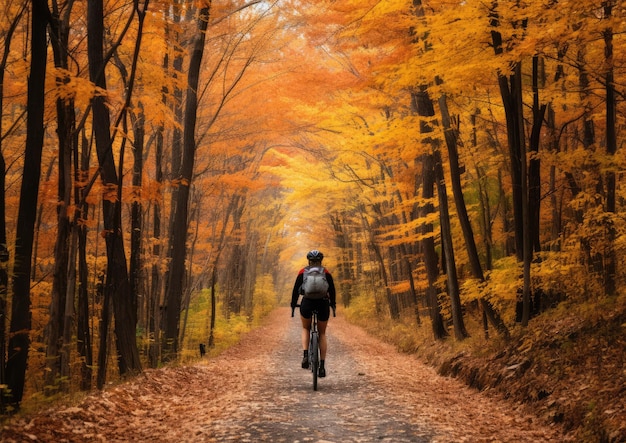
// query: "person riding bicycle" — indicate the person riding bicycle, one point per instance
point(309, 304)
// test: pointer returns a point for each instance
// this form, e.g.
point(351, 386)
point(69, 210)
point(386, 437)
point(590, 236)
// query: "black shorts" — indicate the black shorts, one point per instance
point(321, 305)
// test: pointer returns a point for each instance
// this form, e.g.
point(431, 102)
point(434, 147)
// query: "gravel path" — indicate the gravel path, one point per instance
point(257, 392)
point(348, 405)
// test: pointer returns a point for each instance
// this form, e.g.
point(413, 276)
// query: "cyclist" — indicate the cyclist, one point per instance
point(308, 305)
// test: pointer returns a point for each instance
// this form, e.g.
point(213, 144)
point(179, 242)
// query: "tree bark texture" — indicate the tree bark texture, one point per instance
point(65, 129)
point(423, 106)
point(19, 330)
point(180, 218)
point(431, 261)
point(511, 93)
point(611, 149)
point(117, 285)
point(451, 137)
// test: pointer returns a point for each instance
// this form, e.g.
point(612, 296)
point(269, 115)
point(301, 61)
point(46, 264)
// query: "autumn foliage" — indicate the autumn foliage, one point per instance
point(458, 163)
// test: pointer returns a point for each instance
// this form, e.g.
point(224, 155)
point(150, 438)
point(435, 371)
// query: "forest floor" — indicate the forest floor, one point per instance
point(568, 365)
point(256, 391)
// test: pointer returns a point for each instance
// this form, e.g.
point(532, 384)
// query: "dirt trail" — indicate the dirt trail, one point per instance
point(256, 391)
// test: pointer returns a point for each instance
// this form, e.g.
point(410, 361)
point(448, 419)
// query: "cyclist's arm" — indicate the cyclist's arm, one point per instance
point(295, 293)
point(331, 290)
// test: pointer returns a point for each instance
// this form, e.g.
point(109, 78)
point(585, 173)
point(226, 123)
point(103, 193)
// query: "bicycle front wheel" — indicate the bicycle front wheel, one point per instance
point(314, 353)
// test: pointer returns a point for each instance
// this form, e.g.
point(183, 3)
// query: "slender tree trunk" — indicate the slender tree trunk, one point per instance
point(525, 213)
point(407, 266)
point(83, 332)
point(176, 147)
point(611, 149)
point(179, 234)
point(451, 136)
point(431, 260)
point(54, 356)
point(19, 330)
point(103, 332)
point(446, 240)
point(534, 164)
point(155, 303)
point(67, 142)
point(423, 106)
point(555, 201)
point(117, 281)
point(154, 308)
point(251, 261)
point(69, 313)
point(4, 251)
point(511, 93)
point(38, 222)
point(137, 207)
point(188, 282)
point(213, 306)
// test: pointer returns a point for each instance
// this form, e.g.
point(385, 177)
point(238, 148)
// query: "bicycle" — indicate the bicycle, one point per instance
point(314, 348)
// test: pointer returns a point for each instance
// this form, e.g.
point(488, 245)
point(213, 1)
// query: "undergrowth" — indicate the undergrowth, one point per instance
point(229, 328)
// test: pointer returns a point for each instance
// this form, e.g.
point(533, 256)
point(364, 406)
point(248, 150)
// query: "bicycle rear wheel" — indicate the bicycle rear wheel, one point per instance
point(315, 357)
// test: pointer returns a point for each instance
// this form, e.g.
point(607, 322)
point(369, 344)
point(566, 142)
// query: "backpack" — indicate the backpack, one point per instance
point(314, 283)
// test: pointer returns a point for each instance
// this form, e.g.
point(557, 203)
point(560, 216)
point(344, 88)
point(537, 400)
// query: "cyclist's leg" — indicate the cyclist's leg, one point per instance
point(322, 321)
point(306, 312)
point(321, 327)
point(306, 330)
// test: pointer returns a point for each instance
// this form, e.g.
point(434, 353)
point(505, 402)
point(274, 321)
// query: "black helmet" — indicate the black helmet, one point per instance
point(315, 255)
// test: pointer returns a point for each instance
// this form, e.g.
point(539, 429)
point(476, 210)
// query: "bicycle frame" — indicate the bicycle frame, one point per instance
point(314, 345)
point(314, 350)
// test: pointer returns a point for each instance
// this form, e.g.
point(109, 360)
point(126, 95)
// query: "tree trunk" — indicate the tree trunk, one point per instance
point(431, 260)
point(117, 281)
point(527, 251)
point(155, 303)
point(179, 234)
point(83, 333)
point(176, 150)
point(188, 280)
point(68, 314)
point(422, 105)
point(19, 330)
point(451, 137)
point(137, 208)
point(4, 251)
point(534, 164)
point(213, 307)
point(67, 142)
point(446, 240)
point(511, 93)
point(103, 332)
point(250, 276)
point(611, 149)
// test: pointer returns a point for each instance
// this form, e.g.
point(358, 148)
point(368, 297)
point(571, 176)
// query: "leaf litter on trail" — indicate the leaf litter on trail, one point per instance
point(227, 396)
